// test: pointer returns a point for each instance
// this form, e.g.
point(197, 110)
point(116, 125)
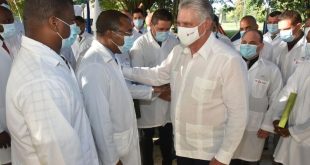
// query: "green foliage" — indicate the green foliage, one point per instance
point(17, 8)
point(302, 6)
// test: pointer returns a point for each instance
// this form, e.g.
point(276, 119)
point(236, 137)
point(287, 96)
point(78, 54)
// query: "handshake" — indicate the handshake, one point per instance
point(164, 92)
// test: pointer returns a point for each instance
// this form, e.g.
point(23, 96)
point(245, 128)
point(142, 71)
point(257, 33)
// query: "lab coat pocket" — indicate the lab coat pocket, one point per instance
point(199, 136)
point(122, 141)
point(202, 89)
point(254, 121)
point(259, 88)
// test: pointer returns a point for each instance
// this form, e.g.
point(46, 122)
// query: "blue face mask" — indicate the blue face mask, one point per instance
point(128, 43)
point(287, 35)
point(138, 23)
point(74, 32)
point(161, 36)
point(242, 33)
point(8, 30)
point(248, 51)
point(272, 28)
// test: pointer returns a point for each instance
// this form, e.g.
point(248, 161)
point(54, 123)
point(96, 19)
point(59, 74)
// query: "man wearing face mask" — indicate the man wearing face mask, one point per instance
point(108, 101)
point(265, 82)
point(6, 59)
point(273, 35)
point(138, 21)
point(66, 49)
point(9, 35)
point(45, 111)
point(205, 76)
point(148, 51)
point(249, 23)
point(82, 42)
point(288, 54)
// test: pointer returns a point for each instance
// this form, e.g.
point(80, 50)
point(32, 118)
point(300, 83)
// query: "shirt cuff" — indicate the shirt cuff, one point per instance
point(224, 156)
point(268, 128)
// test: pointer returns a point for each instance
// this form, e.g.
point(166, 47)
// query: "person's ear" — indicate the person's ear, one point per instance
point(298, 26)
point(53, 22)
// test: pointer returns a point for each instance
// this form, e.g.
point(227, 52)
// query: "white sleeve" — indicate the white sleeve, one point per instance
point(276, 85)
point(235, 83)
point(155, 76)
point(142, 92)
point(96, 92)
point(45, 106)
point(279, 104)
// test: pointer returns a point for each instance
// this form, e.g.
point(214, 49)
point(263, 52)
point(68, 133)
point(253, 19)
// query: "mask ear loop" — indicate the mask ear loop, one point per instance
point(65, 24)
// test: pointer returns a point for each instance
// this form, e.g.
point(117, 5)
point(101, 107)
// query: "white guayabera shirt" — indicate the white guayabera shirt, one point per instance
point(45, 110)
point(209, 98)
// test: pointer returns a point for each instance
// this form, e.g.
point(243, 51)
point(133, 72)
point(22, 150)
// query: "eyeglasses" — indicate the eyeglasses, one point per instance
point(129, 33)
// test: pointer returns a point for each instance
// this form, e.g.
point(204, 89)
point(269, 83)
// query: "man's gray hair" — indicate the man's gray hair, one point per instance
point(202, 7)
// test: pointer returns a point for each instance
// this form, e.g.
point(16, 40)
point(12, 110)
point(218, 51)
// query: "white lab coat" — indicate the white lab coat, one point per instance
point(137, 91)
point(109, 106)
point(69, 56)
point(79, 48)
point(136, 33)
point(295, 149)
point(224, 38)
point(45, 110)
point(274, 42)
point(266, 52)
point(287, 61)
point(207, 117)
point(265, 83)
point(146, 52)
point(14, 43)
point(5, 67)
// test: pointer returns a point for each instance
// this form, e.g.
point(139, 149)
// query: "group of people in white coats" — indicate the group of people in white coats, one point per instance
point(277, 66)
point(68, 96)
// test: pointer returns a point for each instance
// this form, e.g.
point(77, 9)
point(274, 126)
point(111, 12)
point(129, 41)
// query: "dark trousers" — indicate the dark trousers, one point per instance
point(165, 143)
point(242, 162)
point(190, 161)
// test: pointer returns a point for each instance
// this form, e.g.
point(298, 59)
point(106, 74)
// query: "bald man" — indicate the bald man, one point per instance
point(265, 82)
point(249, 23)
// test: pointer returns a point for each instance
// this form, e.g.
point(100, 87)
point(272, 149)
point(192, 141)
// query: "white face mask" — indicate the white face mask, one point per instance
point(188, 36)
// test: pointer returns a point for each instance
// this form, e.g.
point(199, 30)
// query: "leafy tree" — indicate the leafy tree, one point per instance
point(302, 6)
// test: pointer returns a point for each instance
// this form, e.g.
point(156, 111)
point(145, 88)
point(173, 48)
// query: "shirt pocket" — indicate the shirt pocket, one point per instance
point(122, 141)
point(199, 136)
point(202, 89)
point(254, 121)
point(259, 88)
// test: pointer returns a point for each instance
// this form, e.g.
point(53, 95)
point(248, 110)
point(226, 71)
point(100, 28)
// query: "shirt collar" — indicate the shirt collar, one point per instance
point(42, 51)
point(105, 52)
point(205, 50)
